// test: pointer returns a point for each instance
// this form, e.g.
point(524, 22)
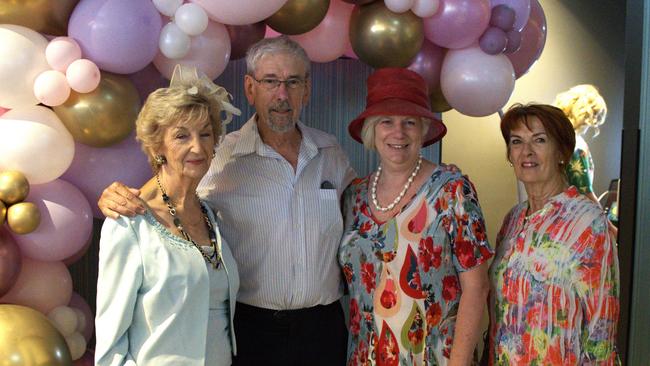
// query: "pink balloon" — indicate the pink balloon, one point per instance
point(239, 12)
point(475, 83)
point(66, 222)
point(521, 9)
point(428, 63)
point(349, 52)
point(120, 36)
point(83, 76)
point(78, 302)
point(271, 33)
point(533, 39)
point(243, 36)
point(51, 88)
point(93, 169)
point(88, 359)
point(458, 23)
point(332, 31)
point(40, 285)
point(3, 111)
point(209, 52)
point(10, 261)
point(61, 52)
point(147, 80)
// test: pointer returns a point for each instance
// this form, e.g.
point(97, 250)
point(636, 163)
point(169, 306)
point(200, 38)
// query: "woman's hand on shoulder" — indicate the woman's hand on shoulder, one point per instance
point(118, 199)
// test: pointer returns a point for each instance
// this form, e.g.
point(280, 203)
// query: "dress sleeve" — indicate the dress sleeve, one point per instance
point(578, 171)
point(468, 233)
point(120, 278)
point(598, 289)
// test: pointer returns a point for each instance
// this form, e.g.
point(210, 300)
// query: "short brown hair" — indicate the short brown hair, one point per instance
point(555, 122)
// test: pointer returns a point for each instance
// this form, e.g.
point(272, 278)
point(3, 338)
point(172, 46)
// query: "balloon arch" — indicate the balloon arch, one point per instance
point(85, 59)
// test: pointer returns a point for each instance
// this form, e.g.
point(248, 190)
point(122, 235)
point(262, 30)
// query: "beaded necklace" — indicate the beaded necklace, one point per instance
point(373, 188)
point(215, 258)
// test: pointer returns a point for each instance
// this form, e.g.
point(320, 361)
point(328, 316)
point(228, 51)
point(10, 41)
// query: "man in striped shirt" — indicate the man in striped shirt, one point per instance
point(275, 185)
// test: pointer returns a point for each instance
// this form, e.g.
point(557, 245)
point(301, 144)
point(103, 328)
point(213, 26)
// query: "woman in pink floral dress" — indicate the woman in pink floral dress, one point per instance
point(414, 251)
point(554, 298)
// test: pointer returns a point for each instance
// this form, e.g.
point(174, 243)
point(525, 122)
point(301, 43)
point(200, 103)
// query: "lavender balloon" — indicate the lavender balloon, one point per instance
point(243, 36)
point(521, 9)
point(427, 63)
point(93, 169)
point(458, 23)
point(502, 17)
point(533, 38)
point(514, 41)
point(493, 41)
point(120, 36)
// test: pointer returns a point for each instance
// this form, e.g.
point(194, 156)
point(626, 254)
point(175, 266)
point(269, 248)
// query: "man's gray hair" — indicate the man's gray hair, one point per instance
point(281, 44)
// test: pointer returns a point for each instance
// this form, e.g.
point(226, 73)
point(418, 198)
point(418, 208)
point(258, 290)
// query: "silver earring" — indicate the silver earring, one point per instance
point(160, 160)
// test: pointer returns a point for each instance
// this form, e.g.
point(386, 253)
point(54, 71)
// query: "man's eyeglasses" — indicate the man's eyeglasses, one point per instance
point(272, 83)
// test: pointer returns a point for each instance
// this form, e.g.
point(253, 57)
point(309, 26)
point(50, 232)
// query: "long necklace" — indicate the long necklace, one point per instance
point(215, 258)
point(373, 188)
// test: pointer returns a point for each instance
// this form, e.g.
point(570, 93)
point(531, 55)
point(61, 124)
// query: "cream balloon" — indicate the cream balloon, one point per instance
point(42, 153)
point(173, 43)
point(167, 7)
point(83, 76)
point(64, 319)
point(77, 345)
point(398, 6)
point(51, 88)
point(425, 8)
point(22, 52)
point(239, 12)
point(61, 52)
point(191, 19)
point(37, 113)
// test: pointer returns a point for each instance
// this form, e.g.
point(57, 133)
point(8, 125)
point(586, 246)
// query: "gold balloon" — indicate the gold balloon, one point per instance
point(13, 187)
point(104, 116)
point(23, 217)
point(381, 38)
point(438, 102)
point(27, 338)
point(44, 16)
point(298, 16)
point(3, 213)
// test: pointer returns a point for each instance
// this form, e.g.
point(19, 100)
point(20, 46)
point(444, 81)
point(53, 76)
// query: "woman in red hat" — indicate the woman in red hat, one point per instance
point(414, 252)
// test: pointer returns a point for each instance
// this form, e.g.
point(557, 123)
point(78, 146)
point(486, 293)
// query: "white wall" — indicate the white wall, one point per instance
point(584, 44)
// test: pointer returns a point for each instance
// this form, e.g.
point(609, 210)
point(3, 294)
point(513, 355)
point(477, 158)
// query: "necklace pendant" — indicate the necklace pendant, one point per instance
point(409, 181)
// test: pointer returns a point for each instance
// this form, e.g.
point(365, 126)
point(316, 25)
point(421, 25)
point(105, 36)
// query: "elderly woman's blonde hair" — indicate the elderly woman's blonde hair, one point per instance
point(368, 130)
point(173, 106)
point(584, 106)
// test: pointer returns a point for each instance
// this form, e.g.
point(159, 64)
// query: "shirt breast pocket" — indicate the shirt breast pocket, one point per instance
point(330, 212)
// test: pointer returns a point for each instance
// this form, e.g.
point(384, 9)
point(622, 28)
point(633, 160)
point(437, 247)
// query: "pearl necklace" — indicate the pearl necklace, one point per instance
point(373, 188)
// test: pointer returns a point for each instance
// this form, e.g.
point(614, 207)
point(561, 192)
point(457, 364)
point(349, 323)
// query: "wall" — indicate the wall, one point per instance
point(585, 44)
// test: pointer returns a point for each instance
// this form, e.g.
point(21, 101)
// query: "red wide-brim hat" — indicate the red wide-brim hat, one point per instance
point(398, 92)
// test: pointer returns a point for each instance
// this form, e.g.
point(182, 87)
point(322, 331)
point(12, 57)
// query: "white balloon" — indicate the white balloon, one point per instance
point(191, 19)
point(398, 6)
point(40, 152)
point(22, 59)
point(64, 319)
point(174, 43)
point(77, 345)
point(39, 114)
point(81, 320)
point(475, 83)
point(167, 7)
point(425, 8)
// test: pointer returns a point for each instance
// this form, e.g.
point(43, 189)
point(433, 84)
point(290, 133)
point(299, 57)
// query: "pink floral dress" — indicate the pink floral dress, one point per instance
point(554, 298)
point(403, 274)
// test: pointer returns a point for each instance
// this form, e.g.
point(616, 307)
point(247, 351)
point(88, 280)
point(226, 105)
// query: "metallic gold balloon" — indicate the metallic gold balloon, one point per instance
point(298, 16)
point(13, 187)
point(438, 102)
point(3, 213)
point(381, 38)
point(27, 338)
point(23, 217)
point(104, 116)
point(44, 16)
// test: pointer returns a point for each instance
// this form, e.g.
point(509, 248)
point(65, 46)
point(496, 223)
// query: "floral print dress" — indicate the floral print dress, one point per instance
point(403, 274)
point(555, 285)
point(580, 169)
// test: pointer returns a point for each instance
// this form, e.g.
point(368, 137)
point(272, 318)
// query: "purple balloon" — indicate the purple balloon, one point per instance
point(120, 36)
point(243, 36)
point(147, 80)
point(10, 261)
point(521, 9)
point(458, 23)
point(533, 38)
point(514, 41)
point(93, 169)
point(78, 302)
point(66, 222)
point(493, 41)
point(428, 62)
point(502, 17)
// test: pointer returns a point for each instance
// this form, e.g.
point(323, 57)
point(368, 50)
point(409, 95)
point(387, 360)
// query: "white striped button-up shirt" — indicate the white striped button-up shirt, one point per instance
point(283, 227)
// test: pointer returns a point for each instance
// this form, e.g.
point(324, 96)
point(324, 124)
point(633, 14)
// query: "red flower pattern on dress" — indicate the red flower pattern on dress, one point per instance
point(368, 276)
point(450, 288)
point(355, 317)
point(465, 253)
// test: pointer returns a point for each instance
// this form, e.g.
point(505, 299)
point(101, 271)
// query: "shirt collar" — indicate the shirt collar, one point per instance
point(251, 142)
